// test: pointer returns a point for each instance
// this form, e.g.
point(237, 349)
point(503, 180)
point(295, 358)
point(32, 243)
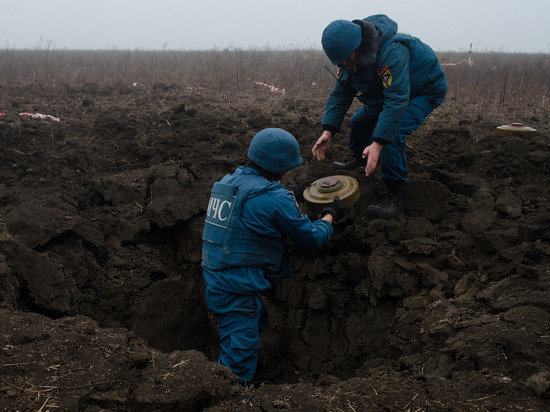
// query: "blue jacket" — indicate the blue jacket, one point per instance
point(245, 232)
point(404, 67)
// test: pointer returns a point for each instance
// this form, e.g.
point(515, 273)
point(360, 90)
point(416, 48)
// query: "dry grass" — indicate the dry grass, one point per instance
point(512, 85)
point(508, 85)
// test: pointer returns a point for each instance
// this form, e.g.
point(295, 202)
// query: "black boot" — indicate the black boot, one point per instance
point(352, 164)
point(392, 204)
point(265, 375)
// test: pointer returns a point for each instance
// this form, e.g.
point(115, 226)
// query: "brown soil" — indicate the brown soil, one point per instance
point(101, 300)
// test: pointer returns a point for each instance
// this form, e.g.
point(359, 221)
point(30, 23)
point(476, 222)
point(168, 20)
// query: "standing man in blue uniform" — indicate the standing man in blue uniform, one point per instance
point(400, 82)
point(249, 217)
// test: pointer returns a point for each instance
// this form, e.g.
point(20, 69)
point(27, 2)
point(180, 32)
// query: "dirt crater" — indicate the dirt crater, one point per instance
point(100, 254)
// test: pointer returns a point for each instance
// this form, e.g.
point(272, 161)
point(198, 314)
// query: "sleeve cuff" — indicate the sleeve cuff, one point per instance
point(380, 141)
point(330, 128)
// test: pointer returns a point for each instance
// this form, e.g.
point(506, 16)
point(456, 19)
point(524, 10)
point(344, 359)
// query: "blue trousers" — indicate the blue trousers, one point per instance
point(241, 320)
point(392, 157)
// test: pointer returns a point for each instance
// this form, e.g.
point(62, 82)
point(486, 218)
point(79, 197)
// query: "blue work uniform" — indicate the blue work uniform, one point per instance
point(244, 251)
point(403, 86)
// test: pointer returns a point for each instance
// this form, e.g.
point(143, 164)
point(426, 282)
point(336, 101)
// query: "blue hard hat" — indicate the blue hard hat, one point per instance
point(340, 38)
point(275, 150)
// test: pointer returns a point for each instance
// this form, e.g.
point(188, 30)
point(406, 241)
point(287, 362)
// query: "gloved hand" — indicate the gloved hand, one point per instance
point(336, 210)
point(299, 191)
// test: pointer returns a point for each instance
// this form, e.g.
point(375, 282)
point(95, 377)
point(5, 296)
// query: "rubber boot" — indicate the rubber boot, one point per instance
point(352, 164)
point(266, 374)
point(392, 204)
point(263, 375)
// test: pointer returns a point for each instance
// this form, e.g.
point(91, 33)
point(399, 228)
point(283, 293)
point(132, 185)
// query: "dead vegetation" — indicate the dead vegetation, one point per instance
point(101, 215)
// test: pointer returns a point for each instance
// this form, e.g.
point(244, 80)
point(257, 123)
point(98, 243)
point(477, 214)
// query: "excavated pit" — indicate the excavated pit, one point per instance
point(102, 216)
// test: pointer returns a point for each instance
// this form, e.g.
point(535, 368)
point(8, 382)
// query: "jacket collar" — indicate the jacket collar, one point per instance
point(366, 53)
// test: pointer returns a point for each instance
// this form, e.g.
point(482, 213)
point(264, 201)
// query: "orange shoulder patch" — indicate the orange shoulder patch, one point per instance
point(385, 75)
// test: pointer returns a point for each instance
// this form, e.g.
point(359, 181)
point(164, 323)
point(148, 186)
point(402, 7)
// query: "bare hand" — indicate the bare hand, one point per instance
point(321, 146)
point(371, 153)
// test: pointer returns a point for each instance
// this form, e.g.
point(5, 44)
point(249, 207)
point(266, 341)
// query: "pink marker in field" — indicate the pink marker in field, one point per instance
point(40, 116)
point(271, 87)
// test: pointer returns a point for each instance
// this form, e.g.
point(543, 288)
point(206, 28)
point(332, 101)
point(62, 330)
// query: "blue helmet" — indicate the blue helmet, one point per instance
point(340, 39)
point(275, 150)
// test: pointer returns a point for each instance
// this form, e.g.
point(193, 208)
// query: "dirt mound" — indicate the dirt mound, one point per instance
point(101, 294)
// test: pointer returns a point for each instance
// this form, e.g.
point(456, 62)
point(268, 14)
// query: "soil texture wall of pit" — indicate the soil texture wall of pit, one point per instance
point(102, 214)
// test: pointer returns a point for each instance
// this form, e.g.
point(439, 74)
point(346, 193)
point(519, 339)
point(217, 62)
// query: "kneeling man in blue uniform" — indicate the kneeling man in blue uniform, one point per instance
point(249, 218)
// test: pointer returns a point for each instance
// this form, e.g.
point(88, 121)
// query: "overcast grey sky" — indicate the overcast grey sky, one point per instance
point(490, 25)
